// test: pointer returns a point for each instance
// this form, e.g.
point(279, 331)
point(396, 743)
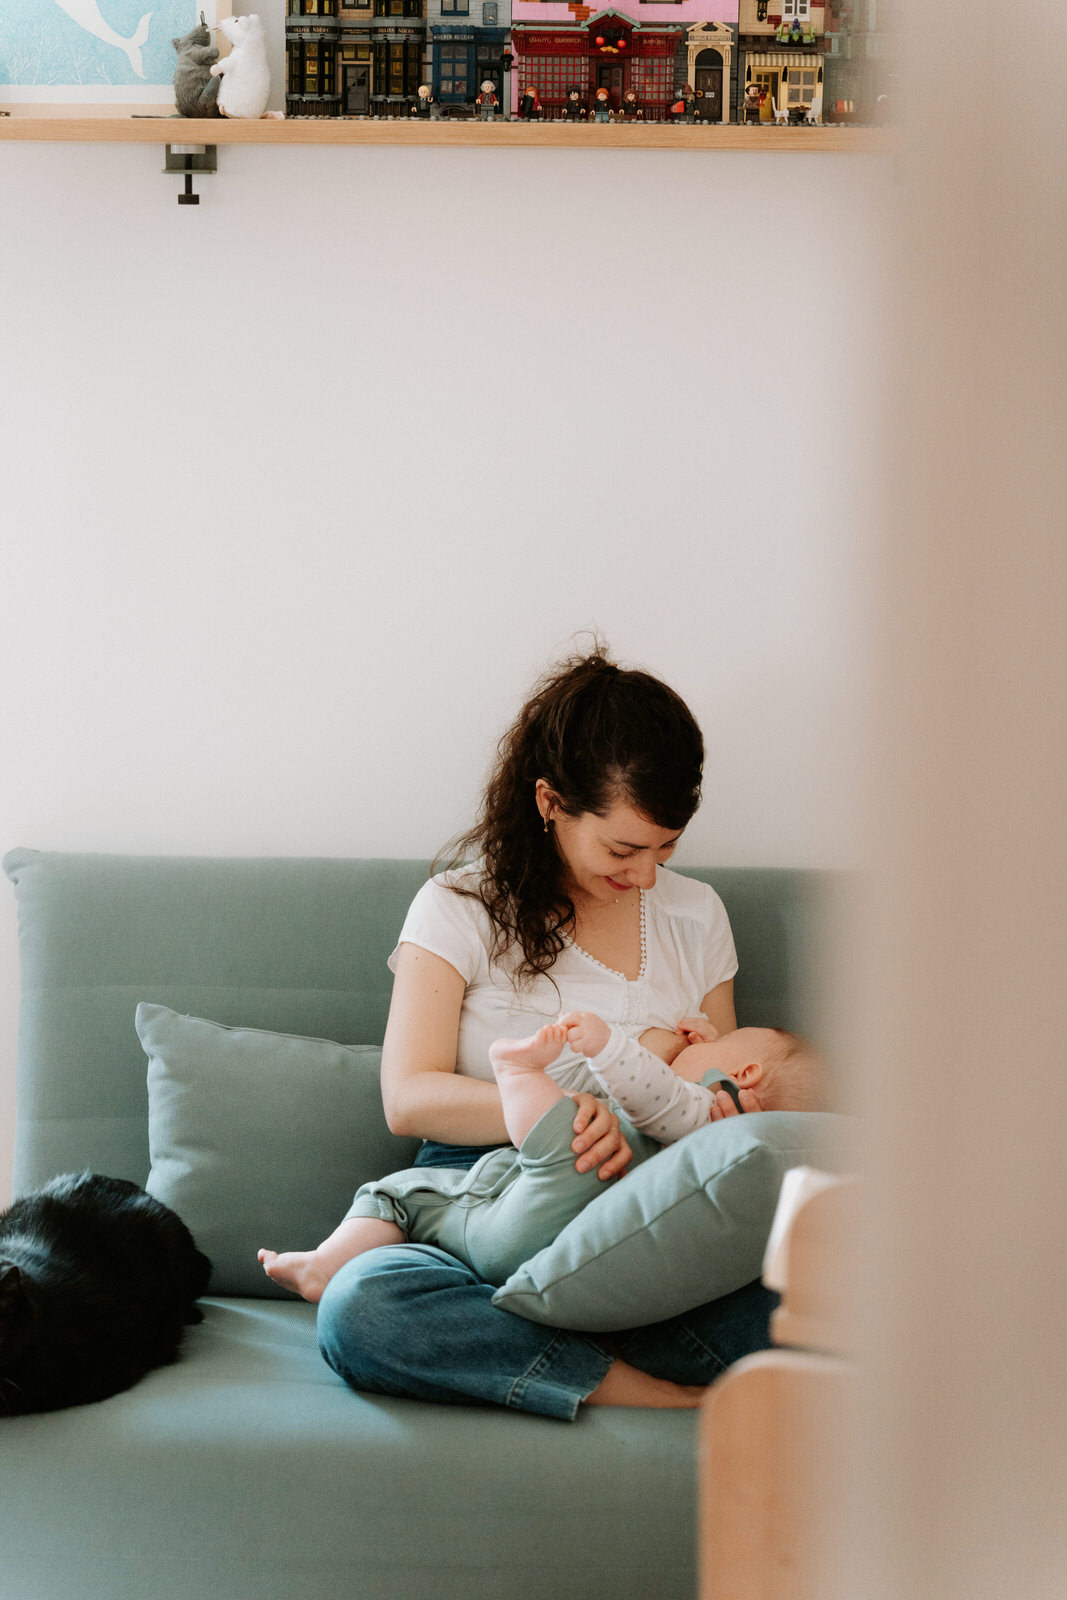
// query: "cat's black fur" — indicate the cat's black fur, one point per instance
point(97, 1281)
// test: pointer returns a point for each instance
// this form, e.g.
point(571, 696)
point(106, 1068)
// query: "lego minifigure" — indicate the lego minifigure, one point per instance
point(424, 104)
point(630, 108)
point(753, 102)
point(530, 104)
point(487, 102)
point(684, 109)
point(602, 106)
point(575, 110)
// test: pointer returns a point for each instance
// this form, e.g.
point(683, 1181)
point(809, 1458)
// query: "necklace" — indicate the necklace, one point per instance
point(574, 942)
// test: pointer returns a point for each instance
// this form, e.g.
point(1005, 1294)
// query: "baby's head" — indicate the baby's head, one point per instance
point(795, 1077)
point(783, 1069)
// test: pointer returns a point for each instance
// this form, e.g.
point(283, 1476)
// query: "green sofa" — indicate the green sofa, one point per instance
point(248, 1471)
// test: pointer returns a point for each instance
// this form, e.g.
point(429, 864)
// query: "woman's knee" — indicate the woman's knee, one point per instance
point(370, 1321)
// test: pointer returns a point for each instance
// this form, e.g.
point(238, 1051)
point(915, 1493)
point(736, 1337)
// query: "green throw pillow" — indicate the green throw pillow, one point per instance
point(686, 1226)
point(260, 1138)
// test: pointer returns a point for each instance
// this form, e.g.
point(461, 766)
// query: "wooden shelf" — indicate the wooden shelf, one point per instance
point(82, 129)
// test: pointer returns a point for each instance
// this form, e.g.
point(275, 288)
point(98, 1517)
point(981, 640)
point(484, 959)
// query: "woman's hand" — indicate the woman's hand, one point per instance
point(599, 1142)
point(722, 1104)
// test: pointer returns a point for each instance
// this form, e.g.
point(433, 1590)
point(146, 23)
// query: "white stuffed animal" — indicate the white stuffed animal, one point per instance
point(245, 87)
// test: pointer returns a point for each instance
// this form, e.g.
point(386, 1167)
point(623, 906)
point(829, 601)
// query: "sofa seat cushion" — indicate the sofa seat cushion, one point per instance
point(250, 1442)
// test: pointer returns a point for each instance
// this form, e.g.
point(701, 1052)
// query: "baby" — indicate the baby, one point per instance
point(515, 1200)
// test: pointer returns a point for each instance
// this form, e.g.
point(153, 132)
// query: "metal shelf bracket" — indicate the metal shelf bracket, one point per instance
point(186, 159)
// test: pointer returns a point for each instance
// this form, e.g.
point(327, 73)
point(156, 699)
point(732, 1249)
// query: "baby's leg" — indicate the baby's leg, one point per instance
point(307, 1272)
point(546, 1193)
point(526, 1092)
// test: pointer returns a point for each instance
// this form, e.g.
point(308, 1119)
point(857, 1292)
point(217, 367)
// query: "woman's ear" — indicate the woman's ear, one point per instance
point(546, 798)
point(749, 1076)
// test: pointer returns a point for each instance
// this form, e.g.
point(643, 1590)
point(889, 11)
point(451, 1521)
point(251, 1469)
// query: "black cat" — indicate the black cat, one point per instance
point(97, 1280)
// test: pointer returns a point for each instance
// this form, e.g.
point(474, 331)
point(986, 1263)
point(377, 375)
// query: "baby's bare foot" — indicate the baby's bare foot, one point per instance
point(302, 1271)
point(533, 1054)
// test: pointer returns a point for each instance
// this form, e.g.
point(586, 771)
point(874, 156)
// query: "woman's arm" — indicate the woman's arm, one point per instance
point(718, 1006)
point(423, 1095)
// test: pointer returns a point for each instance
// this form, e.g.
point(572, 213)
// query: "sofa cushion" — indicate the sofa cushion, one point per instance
point(259, 1138)
point(298, 945)
point(248, 1471)
point(294, 944)
point(684, 1227)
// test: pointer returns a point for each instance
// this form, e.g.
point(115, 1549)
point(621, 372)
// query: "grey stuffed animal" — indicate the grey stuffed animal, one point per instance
point(196, 92)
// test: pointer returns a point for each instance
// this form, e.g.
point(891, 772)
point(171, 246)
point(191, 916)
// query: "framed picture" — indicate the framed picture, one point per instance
point(95, 55)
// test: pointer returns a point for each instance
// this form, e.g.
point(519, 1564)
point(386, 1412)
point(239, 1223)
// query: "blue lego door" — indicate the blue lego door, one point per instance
point(454, 66)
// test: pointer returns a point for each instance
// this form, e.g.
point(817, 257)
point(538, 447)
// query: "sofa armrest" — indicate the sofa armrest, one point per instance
point(816, 1270)
point(773, 1427)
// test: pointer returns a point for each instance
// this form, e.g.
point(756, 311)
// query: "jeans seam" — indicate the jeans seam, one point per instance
point(704, 1351)
point(526, 1380)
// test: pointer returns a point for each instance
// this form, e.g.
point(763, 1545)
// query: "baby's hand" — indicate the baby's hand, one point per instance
point(587, 1034)
point(697, 1030)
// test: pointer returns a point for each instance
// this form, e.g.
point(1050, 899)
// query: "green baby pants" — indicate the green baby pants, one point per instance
point(501, 1211)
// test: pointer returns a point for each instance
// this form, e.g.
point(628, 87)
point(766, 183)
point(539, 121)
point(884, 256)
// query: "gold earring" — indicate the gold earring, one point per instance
point(546, 824)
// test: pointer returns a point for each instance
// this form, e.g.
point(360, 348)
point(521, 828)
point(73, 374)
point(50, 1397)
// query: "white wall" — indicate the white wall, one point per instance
point(302, 486)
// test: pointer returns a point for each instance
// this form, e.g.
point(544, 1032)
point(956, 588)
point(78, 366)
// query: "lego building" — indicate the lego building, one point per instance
point(861, 65)
point(353, 58)
point(467, 41)
point(644, 50)
point(783, 45)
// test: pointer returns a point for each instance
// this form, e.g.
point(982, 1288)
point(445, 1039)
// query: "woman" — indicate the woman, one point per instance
point(566, 906)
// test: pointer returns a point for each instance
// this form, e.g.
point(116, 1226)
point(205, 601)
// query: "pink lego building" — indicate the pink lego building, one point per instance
point(648, 60)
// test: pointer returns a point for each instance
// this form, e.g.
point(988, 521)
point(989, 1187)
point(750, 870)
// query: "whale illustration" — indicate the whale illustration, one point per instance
point(86, 13)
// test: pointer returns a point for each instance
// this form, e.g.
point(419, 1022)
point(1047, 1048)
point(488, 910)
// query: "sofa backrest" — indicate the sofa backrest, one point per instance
point(292, 945)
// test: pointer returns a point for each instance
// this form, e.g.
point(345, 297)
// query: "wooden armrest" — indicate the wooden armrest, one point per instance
point(772, 1427)
point(770, 1488)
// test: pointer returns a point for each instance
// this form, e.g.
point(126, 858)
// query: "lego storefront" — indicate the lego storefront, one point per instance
point(607, 51)
point(787, 80)
point(337, 67)
point(463, 58)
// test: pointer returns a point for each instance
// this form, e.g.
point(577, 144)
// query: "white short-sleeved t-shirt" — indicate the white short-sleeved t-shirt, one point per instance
point(687, 949)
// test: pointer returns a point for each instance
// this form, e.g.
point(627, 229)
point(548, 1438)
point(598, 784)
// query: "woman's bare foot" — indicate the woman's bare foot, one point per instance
point(624, 1385)
point(302, 1271)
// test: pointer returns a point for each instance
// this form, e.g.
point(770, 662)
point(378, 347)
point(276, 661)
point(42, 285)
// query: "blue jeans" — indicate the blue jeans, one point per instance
point(410, 1320)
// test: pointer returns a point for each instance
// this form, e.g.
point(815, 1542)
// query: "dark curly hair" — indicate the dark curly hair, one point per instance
point(597, 735)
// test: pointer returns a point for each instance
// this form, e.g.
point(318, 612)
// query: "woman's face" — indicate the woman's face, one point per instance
point(609, 856)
